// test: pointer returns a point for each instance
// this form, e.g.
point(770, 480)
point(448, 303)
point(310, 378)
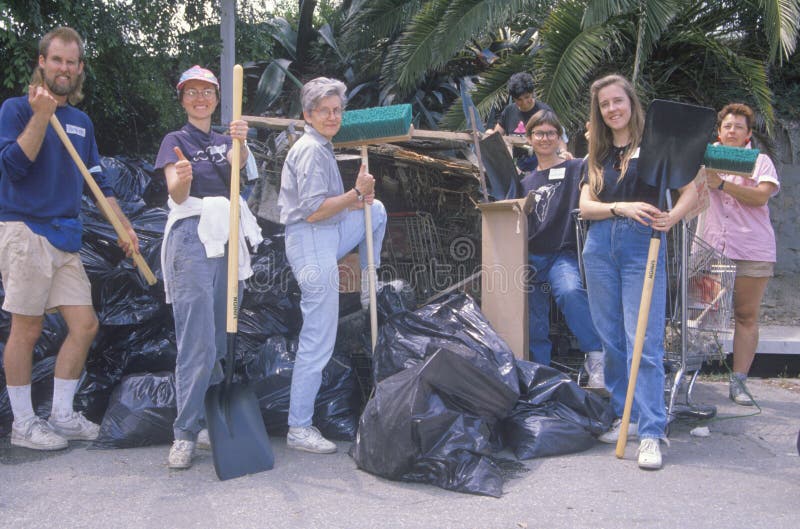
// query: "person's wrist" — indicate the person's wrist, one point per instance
point(359, 194)
point(614, 211)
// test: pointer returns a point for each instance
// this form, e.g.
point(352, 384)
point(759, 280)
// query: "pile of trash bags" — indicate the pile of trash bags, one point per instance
point(450, 395)
point(128, 385)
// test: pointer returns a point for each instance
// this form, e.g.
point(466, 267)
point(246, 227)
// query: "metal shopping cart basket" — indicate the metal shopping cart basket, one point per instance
point(700, 294)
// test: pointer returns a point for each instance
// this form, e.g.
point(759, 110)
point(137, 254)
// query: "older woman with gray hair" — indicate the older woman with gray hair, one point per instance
point(323, 223)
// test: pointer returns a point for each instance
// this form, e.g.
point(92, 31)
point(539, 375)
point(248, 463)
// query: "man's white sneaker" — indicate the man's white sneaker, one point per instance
point(650, 454)
point(36, 434)
point(181, 454)
point(74, 427)
point(309, 439)
point(612, 435)
point(203, 440)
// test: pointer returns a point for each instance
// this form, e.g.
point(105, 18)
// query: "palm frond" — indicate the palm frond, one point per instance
point(748, 73)
point(371, 21)
point(601, 11)
point(569, 56)
point(781, 26)
point(410, 55)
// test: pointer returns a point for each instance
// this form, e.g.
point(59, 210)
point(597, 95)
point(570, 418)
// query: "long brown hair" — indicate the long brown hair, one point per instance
point(601, 138)
point(67, 35)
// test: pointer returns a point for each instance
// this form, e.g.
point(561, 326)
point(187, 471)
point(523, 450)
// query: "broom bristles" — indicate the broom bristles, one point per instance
point(370, 125)
point(734, 160)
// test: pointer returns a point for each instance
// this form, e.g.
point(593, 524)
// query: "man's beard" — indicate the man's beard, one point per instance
point(61, 89)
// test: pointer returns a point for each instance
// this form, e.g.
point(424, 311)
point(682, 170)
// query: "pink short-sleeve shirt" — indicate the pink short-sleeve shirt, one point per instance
point(737, 230)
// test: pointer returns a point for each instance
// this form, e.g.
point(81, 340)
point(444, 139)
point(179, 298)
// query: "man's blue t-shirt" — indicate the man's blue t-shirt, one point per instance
point(46, 193)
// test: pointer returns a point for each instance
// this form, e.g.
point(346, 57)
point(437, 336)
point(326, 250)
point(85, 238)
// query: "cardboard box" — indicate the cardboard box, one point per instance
point(504, 271)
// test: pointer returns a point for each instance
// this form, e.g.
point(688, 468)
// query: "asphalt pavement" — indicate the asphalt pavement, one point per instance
point(745, 474)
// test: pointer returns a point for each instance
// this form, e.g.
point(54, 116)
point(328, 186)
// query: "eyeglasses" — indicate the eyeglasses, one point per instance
point(193, 93)
point(542, 134)
point(327, 112)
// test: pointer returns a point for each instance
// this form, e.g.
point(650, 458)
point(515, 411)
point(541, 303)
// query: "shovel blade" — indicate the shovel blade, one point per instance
point(239, 441)
point(674, 142)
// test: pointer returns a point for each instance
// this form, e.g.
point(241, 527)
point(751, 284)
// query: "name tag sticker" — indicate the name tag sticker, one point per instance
point(78, 131)
point(557, 174)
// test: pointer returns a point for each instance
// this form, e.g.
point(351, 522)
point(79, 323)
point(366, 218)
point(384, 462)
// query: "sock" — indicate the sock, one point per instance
point(21, 403)
point(63, 395)
point(739, 376)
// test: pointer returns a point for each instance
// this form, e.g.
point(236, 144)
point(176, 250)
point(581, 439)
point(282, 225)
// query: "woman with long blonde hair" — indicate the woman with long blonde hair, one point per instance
point(623, 210)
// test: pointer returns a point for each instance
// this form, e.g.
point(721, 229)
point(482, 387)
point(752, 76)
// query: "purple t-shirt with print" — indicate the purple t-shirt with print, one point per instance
point(211, 172)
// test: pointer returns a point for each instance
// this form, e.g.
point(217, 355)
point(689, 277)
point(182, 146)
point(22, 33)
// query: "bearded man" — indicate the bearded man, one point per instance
point(40, 236)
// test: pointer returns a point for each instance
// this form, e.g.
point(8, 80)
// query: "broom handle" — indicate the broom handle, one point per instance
point(638, 344)
point(102, 201)
point(232, 312)
point(373, 300)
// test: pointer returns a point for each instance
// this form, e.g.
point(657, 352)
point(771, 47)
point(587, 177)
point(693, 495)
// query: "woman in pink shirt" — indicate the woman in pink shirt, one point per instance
point(737, 224)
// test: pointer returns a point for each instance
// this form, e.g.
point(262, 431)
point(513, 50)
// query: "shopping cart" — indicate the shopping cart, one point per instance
point(699, 316)
point(432, 259)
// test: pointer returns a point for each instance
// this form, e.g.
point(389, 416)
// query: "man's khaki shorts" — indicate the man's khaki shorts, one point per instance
point(37, 276)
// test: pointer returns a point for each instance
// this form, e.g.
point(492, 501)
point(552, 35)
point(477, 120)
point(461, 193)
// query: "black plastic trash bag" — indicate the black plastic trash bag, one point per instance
point(431, 423)
point(553, 415)
point(269, 370)
point(405, 337)
point(395, 297)
point(140, 412)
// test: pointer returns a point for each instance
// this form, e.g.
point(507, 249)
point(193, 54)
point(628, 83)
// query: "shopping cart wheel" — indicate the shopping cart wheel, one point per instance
point(695, 411)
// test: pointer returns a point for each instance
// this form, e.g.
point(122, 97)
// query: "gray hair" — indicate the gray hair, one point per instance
point(316, 89)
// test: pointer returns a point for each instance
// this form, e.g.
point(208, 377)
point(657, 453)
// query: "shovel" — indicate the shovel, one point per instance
point(239, 441)
point(673, 144)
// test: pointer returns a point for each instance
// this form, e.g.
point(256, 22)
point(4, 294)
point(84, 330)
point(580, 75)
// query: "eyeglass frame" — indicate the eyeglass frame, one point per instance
point(542, 134)
point(336, 112)
point(194, 93)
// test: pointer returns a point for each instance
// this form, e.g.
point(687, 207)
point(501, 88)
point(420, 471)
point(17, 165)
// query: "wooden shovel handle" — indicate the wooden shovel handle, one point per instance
point(638, 344)
point(233, 237)
point(102, 202)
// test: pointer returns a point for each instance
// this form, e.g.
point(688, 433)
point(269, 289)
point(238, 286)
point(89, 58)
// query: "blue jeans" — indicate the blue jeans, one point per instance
point(313, 250)
point(614, 257)
point(557, 274)
point(199, 292)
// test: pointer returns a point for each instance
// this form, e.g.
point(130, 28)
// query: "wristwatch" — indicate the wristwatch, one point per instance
point(358, 194)
point(614, 210)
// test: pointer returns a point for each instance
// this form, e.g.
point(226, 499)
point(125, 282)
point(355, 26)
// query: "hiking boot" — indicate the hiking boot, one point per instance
point(181, 454)
point(612, 435)
point(203, 440)
point(36, 434)
point(309, 439)
point(650, 454)
point(739, 393)
point(594, 366)
point(74, 427)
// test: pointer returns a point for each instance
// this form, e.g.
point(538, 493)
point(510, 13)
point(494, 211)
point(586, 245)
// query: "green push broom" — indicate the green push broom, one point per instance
point(359, 129)
point(731, 160)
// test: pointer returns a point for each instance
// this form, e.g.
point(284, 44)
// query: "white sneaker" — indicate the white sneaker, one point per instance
point(650, 454)
point(203, 440)
point(181, 454)
point(74, 427)
point(36, 434)
point(594, 365)
point(612, 435)
point(309, 439)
